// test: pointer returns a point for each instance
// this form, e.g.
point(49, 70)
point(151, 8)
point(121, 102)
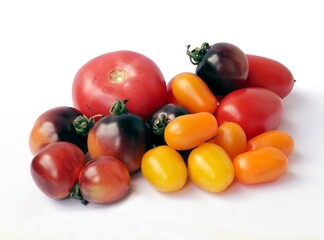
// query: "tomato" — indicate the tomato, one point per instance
point(158, 121)
point(124, 136)
point(273, 138)
point(231, 137)
point(210, 167)
point(256, 110)
point(262, 165)
point(55, 168)
point(55, 125)
point(190, 130)
point(170, 96)
point(270, 74)
point(119, 75)
point(164, 168)
point(104, 180)
point(191, 92)
point(223, 66)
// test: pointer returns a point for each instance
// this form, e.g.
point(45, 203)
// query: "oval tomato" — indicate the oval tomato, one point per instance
point(55, 168)
point(191, 92)
point(190, 130)
point(119, 75)
point(270, 74)
point(210, 167)
point(256, 110)
point(273, 138)
point(262, 165)
point(104, 180)
point(164, 168)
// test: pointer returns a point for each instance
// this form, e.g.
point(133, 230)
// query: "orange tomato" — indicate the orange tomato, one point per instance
point(191, 92)
point(231, 137)
point(262, 165)
point(190, 130)
point(274, 138)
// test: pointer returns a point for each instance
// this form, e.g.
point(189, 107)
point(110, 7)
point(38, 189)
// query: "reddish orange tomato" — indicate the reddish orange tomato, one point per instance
point(231, 137)
point(262, 165)
point(274, 138)
point(191, 92)
point(190, 130)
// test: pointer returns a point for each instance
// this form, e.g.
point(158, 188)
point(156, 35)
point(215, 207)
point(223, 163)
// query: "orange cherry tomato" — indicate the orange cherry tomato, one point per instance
point(274, 138)
point(231, 137)
point(191, 92)
point(262, 165)
point(190, 130)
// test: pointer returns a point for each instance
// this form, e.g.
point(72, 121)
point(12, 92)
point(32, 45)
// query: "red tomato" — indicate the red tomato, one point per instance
point(119, 75)
point(55, 168)
point(256, 110)
point(270, 74)
point(170, 96)
point(104, 180)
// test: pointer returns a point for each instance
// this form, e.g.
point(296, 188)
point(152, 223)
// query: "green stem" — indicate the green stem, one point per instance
point(119, 107)
point(75, 193)
point(159, 125)
point(196, 55)
point(82, 124)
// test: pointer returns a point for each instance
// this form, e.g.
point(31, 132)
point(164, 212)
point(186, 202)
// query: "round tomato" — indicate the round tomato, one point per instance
point(104, 180)
point(164, 168)
point(210, 167)
point(256, 110)
point(270, 74)
point(55, 168)
point(119, 75)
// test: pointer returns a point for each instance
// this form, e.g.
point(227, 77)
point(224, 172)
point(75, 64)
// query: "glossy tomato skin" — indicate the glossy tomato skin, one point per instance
point(55, 168)
point(160, 119)
point(125, 137)
point(256, 110)
point(119, 75)
point(55, 125)
point(164, 168)
point(270, 74)
point(104, 180)
point(224, 68)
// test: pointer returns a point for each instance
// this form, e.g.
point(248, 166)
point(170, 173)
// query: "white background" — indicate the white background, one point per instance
point(43, 44)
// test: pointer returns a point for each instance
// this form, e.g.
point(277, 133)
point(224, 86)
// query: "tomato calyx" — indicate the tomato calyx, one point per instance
point(83, 124)
point(160, 124)
point(75, 193)
point(119, 107)
point(197, 54)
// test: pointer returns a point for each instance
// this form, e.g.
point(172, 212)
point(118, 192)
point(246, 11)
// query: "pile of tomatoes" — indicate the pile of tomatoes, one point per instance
point(211, 126)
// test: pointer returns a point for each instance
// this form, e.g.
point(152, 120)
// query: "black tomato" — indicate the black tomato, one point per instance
point(223, 66)
point(158, 121)
point(121, 135)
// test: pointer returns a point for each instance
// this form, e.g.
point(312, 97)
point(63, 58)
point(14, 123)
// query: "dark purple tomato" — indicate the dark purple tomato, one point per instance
point(56, 125)
point(223, 66)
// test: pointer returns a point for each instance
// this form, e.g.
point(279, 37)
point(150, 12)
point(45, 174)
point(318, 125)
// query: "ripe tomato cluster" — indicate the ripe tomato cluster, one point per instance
point(212, 126)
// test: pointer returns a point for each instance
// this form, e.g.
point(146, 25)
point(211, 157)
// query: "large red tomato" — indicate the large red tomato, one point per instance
point(119, 75)
point(256, 110)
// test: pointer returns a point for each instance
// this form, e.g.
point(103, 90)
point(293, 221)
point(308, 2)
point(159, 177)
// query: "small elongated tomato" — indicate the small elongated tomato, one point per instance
point(210, 167)
point(273, 138)
point(55, 168)
point(231, 137)
point(270, 74)
point(190, 130)
point(191, 92)
point(104, 180)
point(164, 168)
point(262, 165)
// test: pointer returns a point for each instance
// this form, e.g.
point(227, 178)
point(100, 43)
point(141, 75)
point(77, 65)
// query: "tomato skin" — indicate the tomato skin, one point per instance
point(270, 74)
point(210, 167)
point(164, 168)
point(190, 130)
point(119, 75)
point(170, 96)
point(256, 110)
point(104, 180)
point(125, 137)
point(55, 125)
point(262, 165)
point(231, 137)
point(55, 168)
point(191, 92)
point(273, 138)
